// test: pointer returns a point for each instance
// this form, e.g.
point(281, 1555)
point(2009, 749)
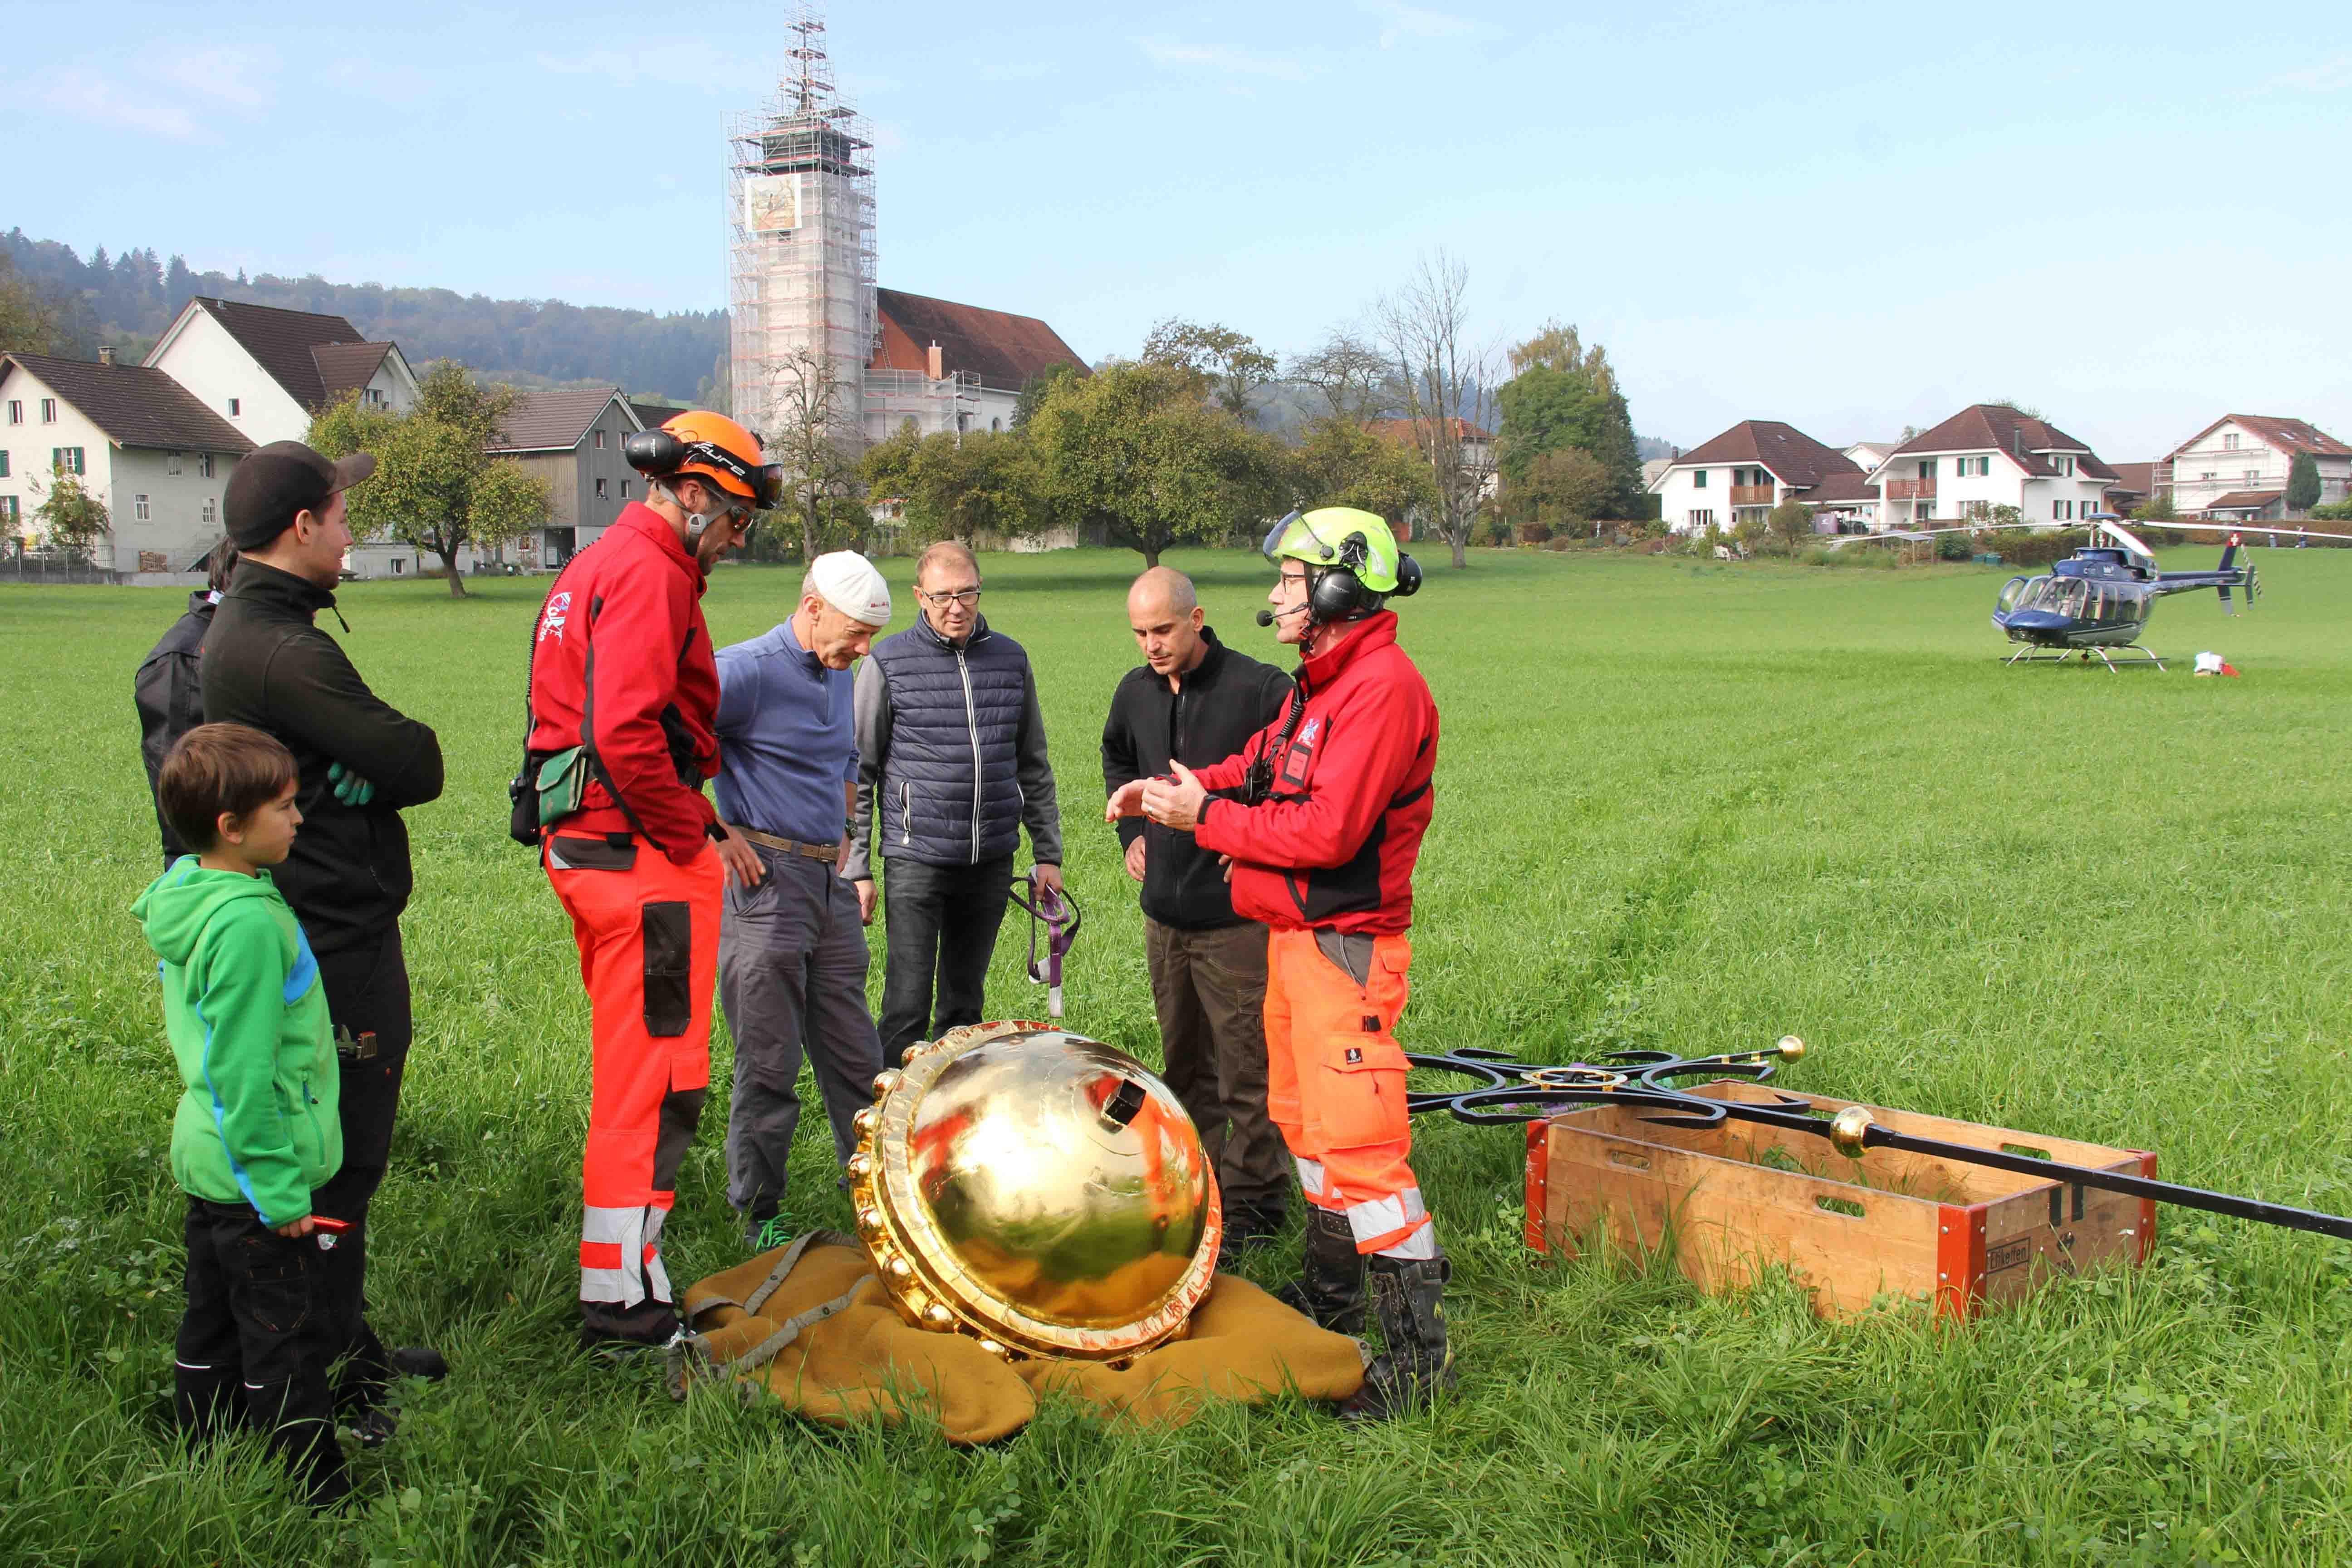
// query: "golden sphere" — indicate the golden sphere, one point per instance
point(888, 1079)
point(860, 1166)
point(1847, 1129)
point(1791, 1048)
point(1045, 1189)
point(866, 1119)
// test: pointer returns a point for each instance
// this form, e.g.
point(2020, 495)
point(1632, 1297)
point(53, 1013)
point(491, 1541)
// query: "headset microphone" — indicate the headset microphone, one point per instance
point(1265, 617)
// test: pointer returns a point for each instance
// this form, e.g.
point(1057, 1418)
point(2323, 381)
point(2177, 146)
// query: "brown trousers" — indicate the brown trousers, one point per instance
point(1209, 988)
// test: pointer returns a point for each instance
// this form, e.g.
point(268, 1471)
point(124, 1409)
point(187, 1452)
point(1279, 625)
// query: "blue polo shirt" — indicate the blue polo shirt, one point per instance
point(786, 744)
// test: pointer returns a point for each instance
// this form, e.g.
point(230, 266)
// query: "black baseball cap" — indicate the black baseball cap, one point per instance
point(279, 480)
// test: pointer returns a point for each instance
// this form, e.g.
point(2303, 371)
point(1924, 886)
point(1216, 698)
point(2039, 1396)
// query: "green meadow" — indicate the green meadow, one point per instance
point(1679, 805)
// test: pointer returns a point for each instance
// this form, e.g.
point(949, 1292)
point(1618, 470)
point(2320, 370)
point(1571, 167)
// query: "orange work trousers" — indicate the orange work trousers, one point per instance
point(1335, 1084)
point(649, 937)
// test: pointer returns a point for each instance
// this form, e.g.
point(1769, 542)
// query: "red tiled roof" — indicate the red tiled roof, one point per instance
point(1407, 432)
point(1997, 426)
point(2250, 499)
point(282, 343)
point(1795, 459)
point(1006, 351)
point(555, 418)
point(1834, 488)
point(2137, 477)
point(135, 405)
point(2289, 436)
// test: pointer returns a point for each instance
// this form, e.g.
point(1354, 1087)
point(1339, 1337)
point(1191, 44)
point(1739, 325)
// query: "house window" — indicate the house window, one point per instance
point(996, 426)
point(139, 509)
point(1698, 482)
point(1928, 468)
point(4, 465)
point(8, 509)
point(600, 489)
point(235, 405)
point(15, 411)
point(48, 410)
point(172, 462)
point(2230, 442)
point(397, 564)
point(1702, 518)
point(600, 440)
point(2070, 467)
point(67, 459)
point(212, 511)
point(625, 489)
point(2206, 475)
point(204, 465)
point(2253, 473)
point(375, 397)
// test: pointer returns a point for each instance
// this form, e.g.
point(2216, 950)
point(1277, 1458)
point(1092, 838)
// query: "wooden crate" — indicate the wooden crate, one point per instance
point(1891, 1223)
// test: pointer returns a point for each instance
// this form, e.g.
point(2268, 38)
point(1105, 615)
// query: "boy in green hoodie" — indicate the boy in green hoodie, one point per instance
point(257, 1128)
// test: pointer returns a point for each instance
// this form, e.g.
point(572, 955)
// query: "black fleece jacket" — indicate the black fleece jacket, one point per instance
point(1227, 699)
point(169, 694)
point(265, 665)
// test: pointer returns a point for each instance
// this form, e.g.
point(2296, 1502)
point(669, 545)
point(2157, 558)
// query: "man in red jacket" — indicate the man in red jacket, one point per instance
point(624, 693)
point(1320, 817)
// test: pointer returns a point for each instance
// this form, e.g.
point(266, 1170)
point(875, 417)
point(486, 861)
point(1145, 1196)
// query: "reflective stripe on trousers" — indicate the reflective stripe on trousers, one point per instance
point(1336, 1086)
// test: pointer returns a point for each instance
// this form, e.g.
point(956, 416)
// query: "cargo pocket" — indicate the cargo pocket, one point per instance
point(277, 1286)
point(668, 930)
point(1360, 1085)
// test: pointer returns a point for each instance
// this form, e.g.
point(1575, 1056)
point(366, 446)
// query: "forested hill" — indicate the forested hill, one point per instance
point(125, 302)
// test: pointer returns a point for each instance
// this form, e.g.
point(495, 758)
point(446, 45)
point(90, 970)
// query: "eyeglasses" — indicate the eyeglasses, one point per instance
point(967, 598)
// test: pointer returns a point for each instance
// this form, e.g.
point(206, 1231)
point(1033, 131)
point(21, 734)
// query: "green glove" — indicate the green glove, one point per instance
point(350, 788)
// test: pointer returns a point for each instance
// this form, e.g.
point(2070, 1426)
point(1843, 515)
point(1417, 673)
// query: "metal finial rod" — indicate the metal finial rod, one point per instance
point(1644, 1081)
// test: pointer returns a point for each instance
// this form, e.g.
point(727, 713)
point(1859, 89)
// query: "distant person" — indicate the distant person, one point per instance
point(2301, 537)
point(255, 1134)
point(792, 941)
point(623, 695)
point(1196, 701)
point(348, 877)
point(169, 690)
point(952, 750)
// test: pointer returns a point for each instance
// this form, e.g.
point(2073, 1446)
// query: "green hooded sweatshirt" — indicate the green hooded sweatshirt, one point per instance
point(259, 1122)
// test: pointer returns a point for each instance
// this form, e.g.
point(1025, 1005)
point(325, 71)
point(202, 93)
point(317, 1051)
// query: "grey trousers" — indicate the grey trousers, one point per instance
point(792, 979)
point(1209, 988)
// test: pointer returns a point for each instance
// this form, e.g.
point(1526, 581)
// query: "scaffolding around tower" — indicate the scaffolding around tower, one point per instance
point(801, 257)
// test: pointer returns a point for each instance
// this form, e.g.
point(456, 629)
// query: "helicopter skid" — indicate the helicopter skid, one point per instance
point(2032, 653)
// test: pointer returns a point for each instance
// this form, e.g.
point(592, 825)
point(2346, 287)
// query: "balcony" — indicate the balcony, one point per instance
point(1752, 495)
point(1910, 490)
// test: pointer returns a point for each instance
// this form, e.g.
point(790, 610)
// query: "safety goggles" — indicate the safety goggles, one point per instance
point(766, 483)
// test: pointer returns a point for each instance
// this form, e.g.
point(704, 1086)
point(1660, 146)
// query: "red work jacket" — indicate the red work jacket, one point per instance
point(622, 664)
point(1335, 842)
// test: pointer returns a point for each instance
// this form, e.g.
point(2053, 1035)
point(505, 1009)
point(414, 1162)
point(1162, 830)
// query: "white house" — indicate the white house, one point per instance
point(1753, 466)
point(1986, 456)
point(2237, 465)
point(267, 371)
point(1868, 454)
point(151, 452)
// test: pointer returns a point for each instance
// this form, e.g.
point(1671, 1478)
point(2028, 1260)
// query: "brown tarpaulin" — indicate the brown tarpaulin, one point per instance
point(824, 1339)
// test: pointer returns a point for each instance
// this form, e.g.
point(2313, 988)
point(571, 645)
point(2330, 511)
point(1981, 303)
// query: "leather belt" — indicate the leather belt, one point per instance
point(789, 845)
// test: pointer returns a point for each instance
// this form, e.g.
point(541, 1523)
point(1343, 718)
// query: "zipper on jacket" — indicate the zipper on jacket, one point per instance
point(906, 812)
point(971, 724)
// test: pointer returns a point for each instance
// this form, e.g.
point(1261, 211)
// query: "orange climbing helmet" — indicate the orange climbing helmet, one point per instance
point(711, 447)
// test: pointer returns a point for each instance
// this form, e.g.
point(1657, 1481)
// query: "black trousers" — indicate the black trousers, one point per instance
point(254, 1344)
point(941, 924)
point(367, 993)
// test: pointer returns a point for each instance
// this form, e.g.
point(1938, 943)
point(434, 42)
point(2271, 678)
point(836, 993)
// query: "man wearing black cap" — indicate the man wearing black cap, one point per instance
point(348, 879)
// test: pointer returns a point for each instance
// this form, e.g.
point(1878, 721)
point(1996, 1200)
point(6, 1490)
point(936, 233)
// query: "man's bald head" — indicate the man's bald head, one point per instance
point(1165, 615)
point(1162, 588)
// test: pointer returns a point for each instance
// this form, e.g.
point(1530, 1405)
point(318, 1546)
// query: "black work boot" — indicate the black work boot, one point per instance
point(1417, 1365)
point(1330, 1286)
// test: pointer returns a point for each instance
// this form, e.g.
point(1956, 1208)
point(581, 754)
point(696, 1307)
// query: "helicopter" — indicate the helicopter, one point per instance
point(2101, 597)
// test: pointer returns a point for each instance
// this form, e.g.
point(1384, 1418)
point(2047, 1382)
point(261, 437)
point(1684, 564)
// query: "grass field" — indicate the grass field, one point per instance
point(1678, 805)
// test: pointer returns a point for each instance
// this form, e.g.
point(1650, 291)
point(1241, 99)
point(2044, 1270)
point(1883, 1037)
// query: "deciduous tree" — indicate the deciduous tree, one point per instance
point(1355, 376)
point(1564, 394)
point(815, 439)
point(1570, 483)
point(983, 482)
point(1791, 521)
point(1133, 452)
point(1230, 362)
point(1343, 463)
point(1441, 378)
point(70, 517)
point(437, 488)
point(29, 322)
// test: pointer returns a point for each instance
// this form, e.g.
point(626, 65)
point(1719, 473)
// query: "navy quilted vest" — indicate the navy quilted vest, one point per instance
point(949, 792)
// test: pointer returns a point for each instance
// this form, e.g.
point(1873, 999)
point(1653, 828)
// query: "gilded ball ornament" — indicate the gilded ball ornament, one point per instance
point(1038, 1191)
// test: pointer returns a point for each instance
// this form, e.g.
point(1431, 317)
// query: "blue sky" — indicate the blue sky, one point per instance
point(1850, 218)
